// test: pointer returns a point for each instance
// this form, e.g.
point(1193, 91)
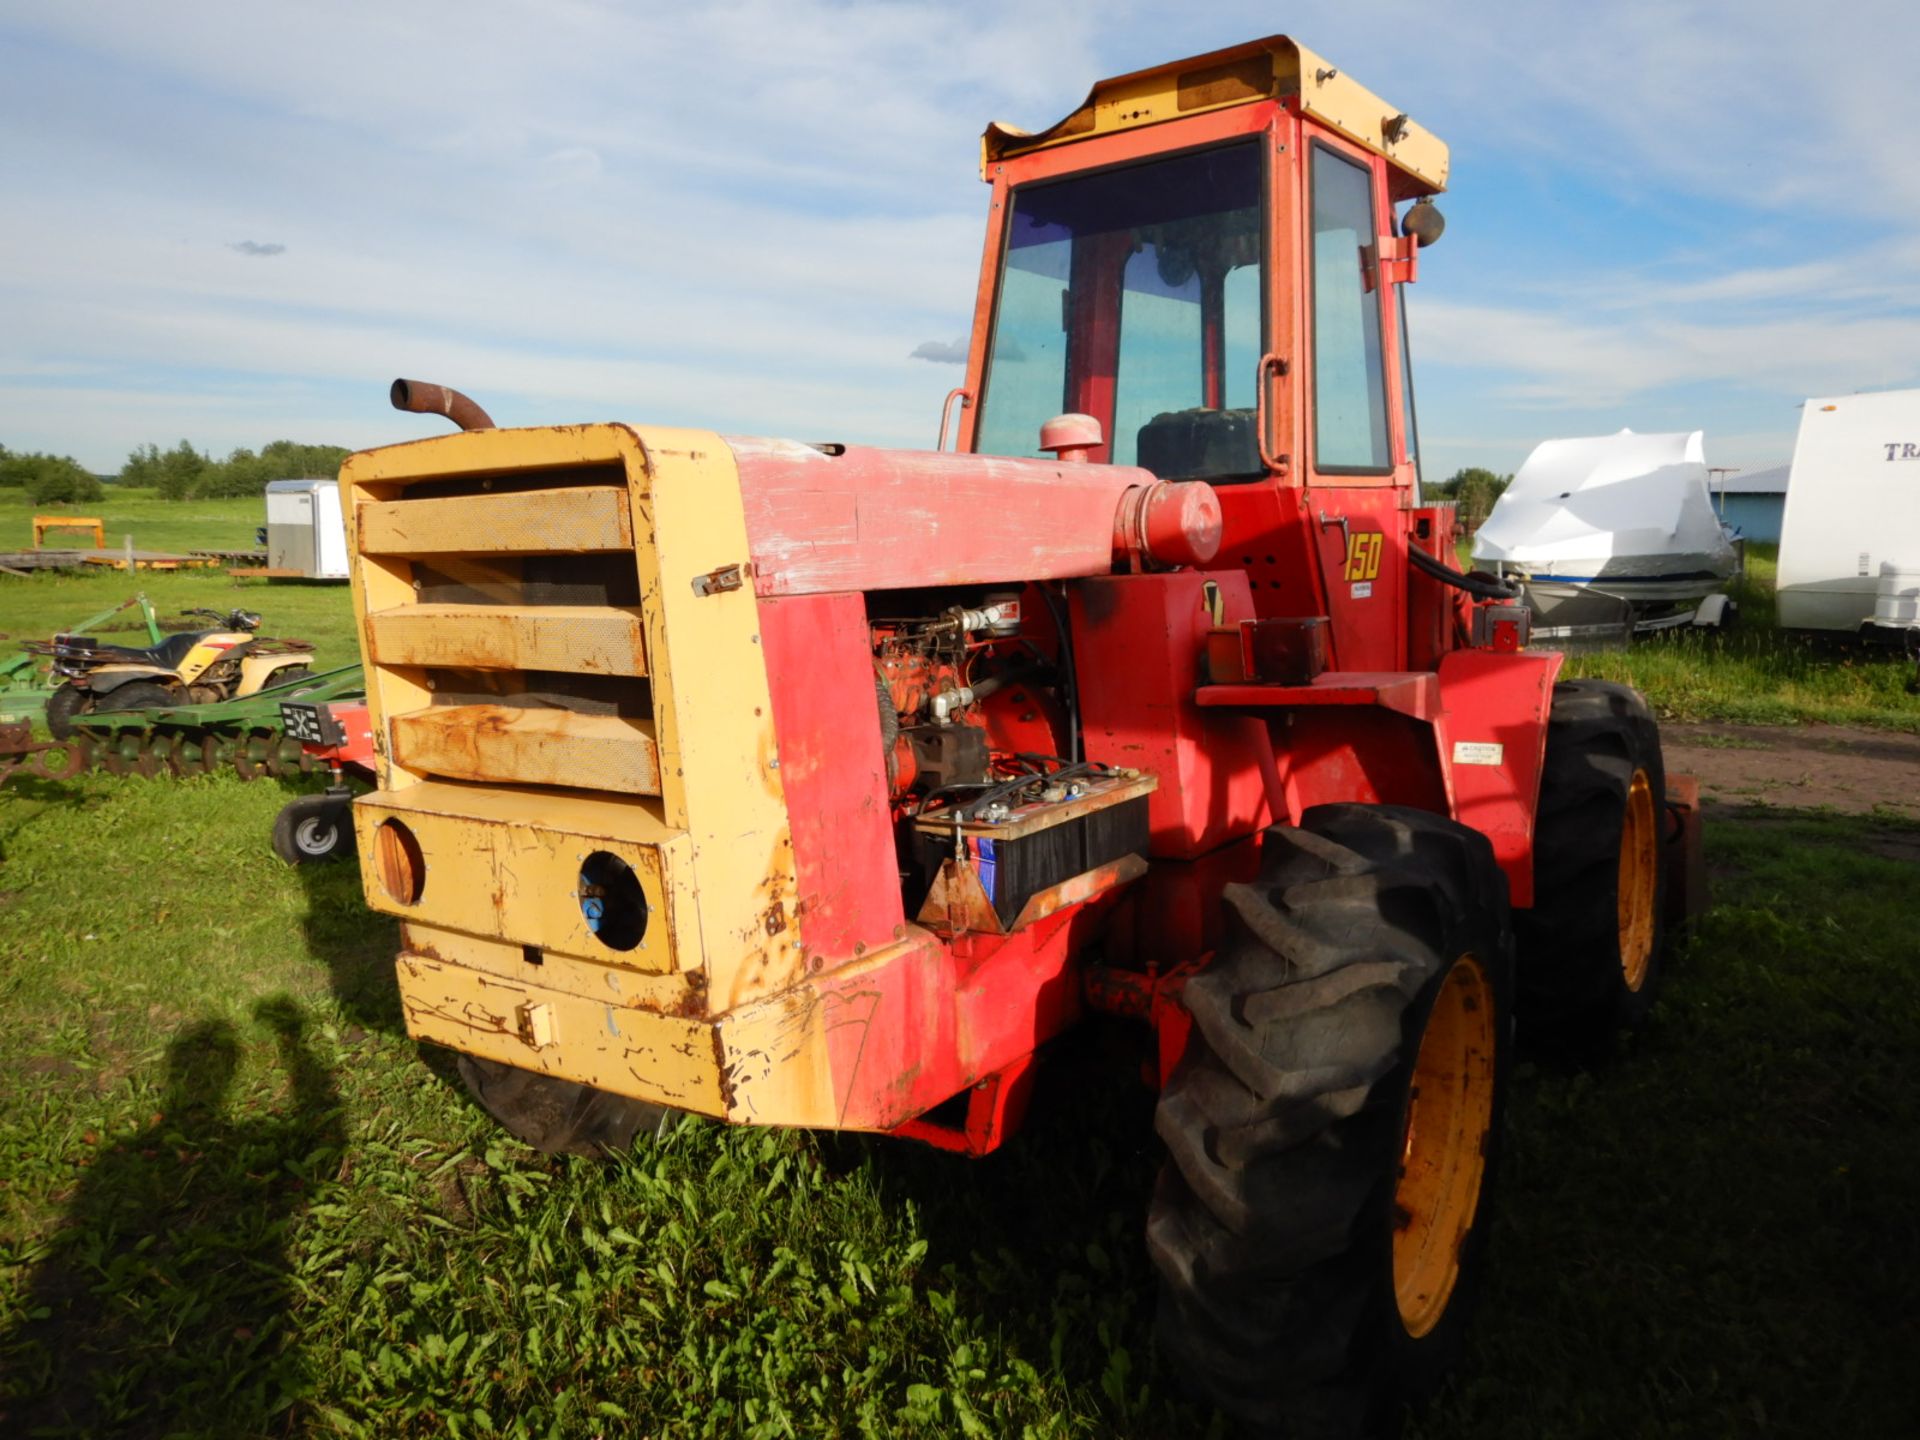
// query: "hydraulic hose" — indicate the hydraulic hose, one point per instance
point(1481, 587)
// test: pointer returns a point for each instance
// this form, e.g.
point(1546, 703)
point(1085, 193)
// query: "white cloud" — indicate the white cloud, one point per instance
point(750, 213)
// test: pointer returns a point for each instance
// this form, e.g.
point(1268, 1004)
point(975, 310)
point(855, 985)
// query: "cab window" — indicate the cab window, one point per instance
point(1349, 369)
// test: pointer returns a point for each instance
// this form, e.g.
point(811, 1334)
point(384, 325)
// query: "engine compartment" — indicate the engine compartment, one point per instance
point(989, 794)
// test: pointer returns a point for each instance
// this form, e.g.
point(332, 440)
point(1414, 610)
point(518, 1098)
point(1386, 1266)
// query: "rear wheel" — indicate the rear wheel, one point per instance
point(1332, 1128)
point(1590, 948)
point(63, 706)
point(561, 1117)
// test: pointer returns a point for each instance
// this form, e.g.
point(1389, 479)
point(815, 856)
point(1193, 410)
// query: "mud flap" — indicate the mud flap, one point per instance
point(1683, 855)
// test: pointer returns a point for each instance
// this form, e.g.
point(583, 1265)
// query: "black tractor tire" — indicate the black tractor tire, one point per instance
point(314, 828)
point(1318, 1250)
point(63, 706)
point(1590, 946)
point(560, 1117)
point(136, 695)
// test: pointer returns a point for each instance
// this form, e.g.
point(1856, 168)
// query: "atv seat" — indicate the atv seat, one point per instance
point(167, 654)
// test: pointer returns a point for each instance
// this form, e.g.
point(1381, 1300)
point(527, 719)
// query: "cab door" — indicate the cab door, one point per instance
point(1357, 471)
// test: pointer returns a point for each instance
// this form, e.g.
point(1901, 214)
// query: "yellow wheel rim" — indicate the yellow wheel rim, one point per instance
point(1443, 1156)
point(1639, 881)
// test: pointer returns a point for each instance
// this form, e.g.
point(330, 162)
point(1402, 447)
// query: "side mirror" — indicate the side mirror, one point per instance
point(1424, 223)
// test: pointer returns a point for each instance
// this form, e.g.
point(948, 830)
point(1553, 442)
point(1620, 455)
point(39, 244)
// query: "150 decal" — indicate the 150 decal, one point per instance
point(1363, 554)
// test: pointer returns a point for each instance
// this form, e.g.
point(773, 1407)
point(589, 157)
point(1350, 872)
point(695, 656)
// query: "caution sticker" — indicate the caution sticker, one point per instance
point(1478, 752)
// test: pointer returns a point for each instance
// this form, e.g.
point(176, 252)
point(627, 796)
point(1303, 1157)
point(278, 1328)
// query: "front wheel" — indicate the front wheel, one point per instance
point(1333, 1126)
point(313, 828)
point(561, 1117)
point(64, 706)
point(287, 675)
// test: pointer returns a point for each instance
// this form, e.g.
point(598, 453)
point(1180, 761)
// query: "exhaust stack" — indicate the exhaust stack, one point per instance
point(421, 398)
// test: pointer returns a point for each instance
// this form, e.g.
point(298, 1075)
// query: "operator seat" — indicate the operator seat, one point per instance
point(1199, 444)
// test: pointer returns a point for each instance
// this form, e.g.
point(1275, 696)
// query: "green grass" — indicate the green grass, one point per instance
point(236, 1200)
point(36, 607)
point(1757, 674)
point(154, 524)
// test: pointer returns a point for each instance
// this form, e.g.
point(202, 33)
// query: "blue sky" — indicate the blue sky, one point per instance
point(750, 215)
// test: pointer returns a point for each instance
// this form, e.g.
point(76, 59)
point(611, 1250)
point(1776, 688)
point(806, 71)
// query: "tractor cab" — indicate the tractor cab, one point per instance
point(1210, 259)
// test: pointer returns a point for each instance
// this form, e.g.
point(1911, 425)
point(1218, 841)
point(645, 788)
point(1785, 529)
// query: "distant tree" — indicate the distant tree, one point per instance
point(49, 479)
point(143, 467)
point(174, 473)
point(1473, 491)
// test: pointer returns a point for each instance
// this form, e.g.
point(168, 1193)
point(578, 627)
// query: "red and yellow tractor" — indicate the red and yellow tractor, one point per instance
point(820, 785)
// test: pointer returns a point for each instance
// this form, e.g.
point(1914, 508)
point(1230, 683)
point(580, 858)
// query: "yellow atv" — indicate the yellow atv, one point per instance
point(193, 667)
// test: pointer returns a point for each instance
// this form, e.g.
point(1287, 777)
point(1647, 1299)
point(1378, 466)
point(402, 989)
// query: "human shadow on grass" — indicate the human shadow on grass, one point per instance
point(356, 944)
point(165, 1305)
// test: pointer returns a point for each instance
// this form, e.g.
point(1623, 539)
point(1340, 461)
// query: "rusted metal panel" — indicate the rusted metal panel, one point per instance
point(561, 521)
point(832, 766)
point(500, 743)
point(665, 1059)
point(887, 519)
point(673, 993)
point(721, 765)
point(505, 864)
point(576, 639)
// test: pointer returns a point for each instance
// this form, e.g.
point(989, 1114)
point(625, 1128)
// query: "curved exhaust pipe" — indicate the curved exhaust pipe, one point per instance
point(420, 398)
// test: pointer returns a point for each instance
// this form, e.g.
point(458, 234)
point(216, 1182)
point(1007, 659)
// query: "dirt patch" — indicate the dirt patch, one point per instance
point(1803, 766)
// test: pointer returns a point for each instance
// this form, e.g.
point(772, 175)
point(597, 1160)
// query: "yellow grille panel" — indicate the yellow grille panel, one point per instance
point(577, 639)
point(504, 863)
point(568, 521)
point(500, 743)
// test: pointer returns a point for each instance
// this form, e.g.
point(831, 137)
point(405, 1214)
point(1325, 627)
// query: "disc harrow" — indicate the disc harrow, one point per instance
point(240, 736)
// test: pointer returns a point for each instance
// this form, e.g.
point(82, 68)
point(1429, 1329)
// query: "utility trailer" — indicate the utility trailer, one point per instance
point(306, 537)
point(823, 785)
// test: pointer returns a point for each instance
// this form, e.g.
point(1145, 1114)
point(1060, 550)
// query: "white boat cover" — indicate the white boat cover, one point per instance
point(1608, 506)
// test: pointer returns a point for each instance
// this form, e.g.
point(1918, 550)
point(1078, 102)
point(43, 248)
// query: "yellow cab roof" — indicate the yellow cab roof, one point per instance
point(1273, 68)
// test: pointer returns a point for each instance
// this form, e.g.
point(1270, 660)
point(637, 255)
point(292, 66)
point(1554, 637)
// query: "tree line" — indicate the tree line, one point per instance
point(1473, 492)
point(182, 473)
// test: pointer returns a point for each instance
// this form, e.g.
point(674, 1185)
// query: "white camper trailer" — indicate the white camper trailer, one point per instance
point(306, 536)
point(1850, 538)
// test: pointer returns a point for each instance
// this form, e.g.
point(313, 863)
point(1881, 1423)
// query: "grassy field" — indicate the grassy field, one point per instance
point(153, 523)
point(37, 607)
point(1759, 675)
point(235, 1200)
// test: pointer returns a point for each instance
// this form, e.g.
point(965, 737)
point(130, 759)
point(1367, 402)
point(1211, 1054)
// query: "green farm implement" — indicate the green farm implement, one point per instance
point(244, 735)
